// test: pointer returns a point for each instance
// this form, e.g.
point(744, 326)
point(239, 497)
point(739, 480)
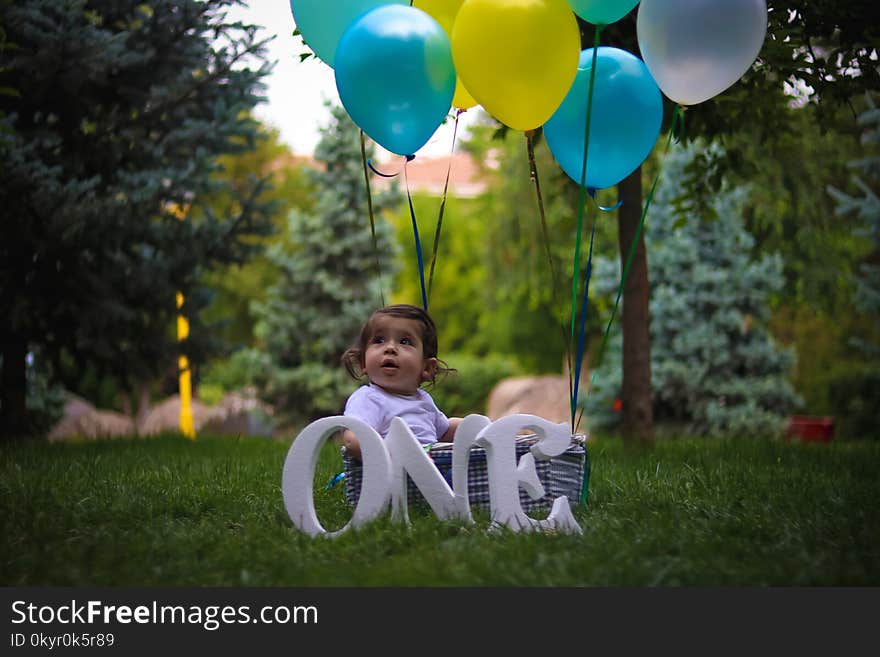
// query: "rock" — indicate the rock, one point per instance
point(240, 414)
point(83, 420)
point(545, 396)
point(165, 416)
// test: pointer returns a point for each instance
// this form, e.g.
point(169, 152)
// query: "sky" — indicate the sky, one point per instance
point(297, 90)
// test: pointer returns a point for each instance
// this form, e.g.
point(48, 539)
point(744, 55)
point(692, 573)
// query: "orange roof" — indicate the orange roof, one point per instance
point(428, 175)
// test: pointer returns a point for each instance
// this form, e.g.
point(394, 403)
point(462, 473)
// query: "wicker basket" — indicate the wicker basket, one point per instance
point(561, 475)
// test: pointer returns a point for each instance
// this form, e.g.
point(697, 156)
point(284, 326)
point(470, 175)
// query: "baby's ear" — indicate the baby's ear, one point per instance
point(429, 370)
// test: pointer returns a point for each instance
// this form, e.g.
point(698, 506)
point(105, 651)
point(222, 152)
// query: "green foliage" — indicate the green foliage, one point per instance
point(688, 513)
point(494, 289)
point(242, 369)
point(854, 388)
point(238, 286)
point(716, 368)
point(327, 284)
point(466, 390)
point(821, 342)
point(529, 278)
point(866, 209)
point(121, 112)
point(790, 213)
point(457, 297)
point(854, 392)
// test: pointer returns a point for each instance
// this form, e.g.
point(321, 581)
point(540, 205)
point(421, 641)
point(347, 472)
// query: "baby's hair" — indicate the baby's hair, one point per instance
point(354, 356)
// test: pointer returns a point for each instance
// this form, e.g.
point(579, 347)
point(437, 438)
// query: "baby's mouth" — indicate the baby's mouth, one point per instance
point(389, 365)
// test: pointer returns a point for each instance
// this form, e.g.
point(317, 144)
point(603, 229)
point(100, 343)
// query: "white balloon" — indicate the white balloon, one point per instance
point(695, 49)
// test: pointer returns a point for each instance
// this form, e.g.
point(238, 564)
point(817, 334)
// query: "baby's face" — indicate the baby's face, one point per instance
point(394, 359)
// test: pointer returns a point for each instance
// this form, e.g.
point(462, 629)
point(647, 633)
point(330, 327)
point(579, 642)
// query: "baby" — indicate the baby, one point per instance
point(397, 351)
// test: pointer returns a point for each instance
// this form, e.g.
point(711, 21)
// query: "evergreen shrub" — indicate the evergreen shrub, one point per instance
point(855, 396)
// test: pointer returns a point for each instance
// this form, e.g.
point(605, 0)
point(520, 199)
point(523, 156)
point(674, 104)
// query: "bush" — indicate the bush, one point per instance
point(241, 370)
point(44, 399)
point(855, 398)
point(466, 390)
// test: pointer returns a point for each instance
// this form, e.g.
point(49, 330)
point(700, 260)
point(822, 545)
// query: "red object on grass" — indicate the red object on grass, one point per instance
point(810, 429)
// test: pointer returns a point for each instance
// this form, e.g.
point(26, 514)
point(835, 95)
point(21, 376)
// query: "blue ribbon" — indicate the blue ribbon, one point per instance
point(334, 481)
point(592, 192)
point(583, 323)
point(409, 158)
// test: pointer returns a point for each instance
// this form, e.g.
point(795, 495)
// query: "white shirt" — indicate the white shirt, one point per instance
point(377, 407)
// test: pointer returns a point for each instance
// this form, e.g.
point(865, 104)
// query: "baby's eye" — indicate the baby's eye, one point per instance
point(378, 339)
point(406, 341)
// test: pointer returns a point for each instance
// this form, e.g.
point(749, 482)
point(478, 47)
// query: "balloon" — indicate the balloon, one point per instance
point(322, 22)
point(444, 12)
point(395, 76)
point(517, 58)
point(624, 123)
point(602, 12)
point(695, 49)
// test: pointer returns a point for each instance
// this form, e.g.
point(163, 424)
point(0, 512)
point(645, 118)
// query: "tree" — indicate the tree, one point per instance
point(825, 53)
point(328, 282)
point(111, 142)
point(856, 390)
point(866, 207)
point(716, 368)
point(237, 286)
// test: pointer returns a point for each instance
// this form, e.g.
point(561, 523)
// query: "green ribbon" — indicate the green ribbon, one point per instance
point(420, 264)
point(436, 246)
point(554, 278)
point(580, 220)
point(674, 132)
point(372, 220)
point(677, 120)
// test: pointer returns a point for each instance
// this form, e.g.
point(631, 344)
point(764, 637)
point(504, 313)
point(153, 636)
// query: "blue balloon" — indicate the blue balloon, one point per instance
point(322, 22)
point(395, 76)
point(624, 124)
point(602, 12)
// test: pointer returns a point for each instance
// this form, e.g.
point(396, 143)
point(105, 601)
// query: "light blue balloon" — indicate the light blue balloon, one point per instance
point(322, 22)
point(624, 123)
point(395, 76)
point(602, 12)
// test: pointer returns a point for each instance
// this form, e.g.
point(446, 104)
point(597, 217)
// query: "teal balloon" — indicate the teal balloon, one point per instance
point(322, 22)
point(395, 76)
point(602, 12)
point(627, 111)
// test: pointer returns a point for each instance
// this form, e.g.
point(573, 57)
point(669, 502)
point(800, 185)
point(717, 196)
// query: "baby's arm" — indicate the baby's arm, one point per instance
point(449, 436)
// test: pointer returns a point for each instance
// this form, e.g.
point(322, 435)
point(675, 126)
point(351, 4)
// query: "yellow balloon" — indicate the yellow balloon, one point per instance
point(444, 12)
point(517, 58)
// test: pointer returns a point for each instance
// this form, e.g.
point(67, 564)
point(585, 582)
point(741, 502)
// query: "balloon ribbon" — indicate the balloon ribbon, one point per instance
point(412, 212)
point(533, 173)
point(677, 120)
point(420, 263)
point(573, 382)
point(372, 218)
point(632, 248)
point(436, 245)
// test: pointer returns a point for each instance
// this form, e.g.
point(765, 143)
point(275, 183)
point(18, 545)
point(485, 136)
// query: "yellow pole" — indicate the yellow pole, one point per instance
point(187, 427)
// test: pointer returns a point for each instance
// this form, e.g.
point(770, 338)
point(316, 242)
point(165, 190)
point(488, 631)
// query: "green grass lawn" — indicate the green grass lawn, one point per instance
point(173, 512)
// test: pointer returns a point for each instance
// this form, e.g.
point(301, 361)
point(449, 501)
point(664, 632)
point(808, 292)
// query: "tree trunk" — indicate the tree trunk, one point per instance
point(638, 415)
point(13, 387)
